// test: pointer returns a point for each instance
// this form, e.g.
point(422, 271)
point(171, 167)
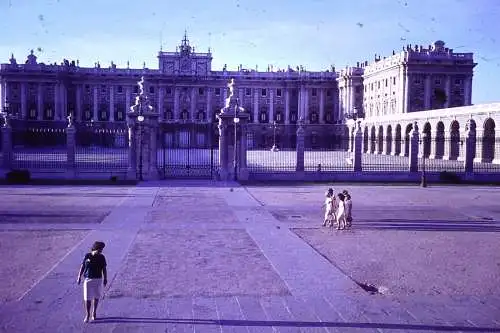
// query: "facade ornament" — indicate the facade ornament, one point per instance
point(70, 120)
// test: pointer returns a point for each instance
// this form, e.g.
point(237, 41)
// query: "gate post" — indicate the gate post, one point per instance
point(470, 149)
point(299, 167)
point(414, 146)
point(357, 162)
point(7, 154)
point(70, 148)
point(144, 123)
point(232, 113)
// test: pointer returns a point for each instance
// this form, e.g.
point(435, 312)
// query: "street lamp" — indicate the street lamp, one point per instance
point(274, 147)
point(423, 178)
point(140, 119)
point(235, 163)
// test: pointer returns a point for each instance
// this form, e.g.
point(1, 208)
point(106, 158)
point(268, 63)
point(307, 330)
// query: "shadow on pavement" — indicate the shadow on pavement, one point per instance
point(230, 322)
point(428, 225)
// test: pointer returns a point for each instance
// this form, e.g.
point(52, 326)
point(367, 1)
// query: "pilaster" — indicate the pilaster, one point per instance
point(271, 105)
point(111, 103)
point(321, 105)
point(40, 102)
point(95, 100)
point(287, 106)
point(24, 101)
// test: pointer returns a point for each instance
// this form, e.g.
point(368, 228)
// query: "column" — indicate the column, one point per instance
point(406, 91)
point(40, 102)
point(57, 101)
point(161, 98)
point(128, 92)
point(192, 107)
point(427, 92)
point(447, 89)
point(24, 100)
point(306, 104)
point(256, 105)
point(78, 107)
point(111, 103)
point(271, 105)
point(358, 148)
point(468, 90)
point(64, 101)
point(300, 105)
point(209, 104)
point(287, 106)
point(95, 105)
point(321, 105)
point(176, 103)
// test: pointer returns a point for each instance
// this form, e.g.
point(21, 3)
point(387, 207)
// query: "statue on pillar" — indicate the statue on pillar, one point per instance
point(70, 120)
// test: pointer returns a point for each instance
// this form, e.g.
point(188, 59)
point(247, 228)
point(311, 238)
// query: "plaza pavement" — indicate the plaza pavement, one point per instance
point(194, 256)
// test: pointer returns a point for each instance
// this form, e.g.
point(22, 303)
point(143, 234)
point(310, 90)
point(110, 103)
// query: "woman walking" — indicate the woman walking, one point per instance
point(341, 223)
point(329, 208)
point(93, 269)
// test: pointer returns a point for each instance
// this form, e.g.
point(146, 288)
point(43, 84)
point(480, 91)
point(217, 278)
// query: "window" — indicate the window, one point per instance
point(264, 92)
point(49, 113)
point(248, 91)
point(87, 115)
point(103, 115)
point(437, 81)
point(103, 89)
point(119, 115)
point(294, 93)
point(201, 115)
point(263, 117)
point(32, 113)
point(151, 90)
point(358, 89)
point(217, 91)
point(185, 115)
point(169, 115)
point(314, 92)
point(119, 89)
point(136, 89)
point(278, 117)
point(328, 118)
point(201, 91)
point(378, 85)
point(293, 117)
point(458, 81)
point(278, 92)
point(169, 91)
point(386, 82)
point(328, 93)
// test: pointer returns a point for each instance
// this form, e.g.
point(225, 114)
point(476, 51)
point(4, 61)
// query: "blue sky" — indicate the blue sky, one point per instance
point(312, 33)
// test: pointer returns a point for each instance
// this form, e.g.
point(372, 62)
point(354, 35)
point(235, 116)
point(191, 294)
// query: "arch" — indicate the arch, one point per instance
point(408, 130)
point(372, 139)
point(365, 140)
point(388, 138)
point(380, 138)
point(488, 141)
point(439, 140)
point(454, 140)
point(427, 131)
point(397, 140)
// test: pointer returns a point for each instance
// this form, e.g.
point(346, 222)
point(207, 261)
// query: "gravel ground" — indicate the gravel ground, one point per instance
point(195, 262)
point(414, 262)
point(28, 255)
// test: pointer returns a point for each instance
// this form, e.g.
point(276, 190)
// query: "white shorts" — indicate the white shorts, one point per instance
point(92, 289)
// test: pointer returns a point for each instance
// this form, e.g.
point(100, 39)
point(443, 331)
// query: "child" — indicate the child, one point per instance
point(348, 208)
point(341, 223)
point(93, 269)
point(329, 207)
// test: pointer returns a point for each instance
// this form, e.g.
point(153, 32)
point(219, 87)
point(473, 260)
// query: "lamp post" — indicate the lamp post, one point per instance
point(235, 160)
point(140, 119)
point(423, 179)
point(274, 147)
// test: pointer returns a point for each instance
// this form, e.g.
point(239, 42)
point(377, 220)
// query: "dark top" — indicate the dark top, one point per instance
point(93, 265)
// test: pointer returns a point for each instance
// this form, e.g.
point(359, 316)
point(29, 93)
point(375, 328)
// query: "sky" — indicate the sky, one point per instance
point(313, 33)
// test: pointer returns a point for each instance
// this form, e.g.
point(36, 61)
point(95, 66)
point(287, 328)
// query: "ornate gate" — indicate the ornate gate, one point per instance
point(188, 150)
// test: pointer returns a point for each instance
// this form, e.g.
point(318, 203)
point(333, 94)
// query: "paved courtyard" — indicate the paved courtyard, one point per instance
point(195, 256)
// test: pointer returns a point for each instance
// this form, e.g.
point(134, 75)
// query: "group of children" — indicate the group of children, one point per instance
point(338, 209)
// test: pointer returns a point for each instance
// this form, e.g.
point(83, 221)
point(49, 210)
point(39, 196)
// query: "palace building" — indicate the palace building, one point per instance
point(185, 90)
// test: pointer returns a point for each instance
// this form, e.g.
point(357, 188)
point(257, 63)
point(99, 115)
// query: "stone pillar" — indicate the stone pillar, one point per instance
point(176, 104)
point(78, 107)
point(321, 105)
point(358, 149)
point(255, 105)
point(447, 146)
point(128, 93)
point(57, 101)
point(447, 89)
point(271, 105)
point(161, 97)
point(243, 170)
point(70, 151)
point(142, 153)
point(468, 90)
point(287, 106)
point(192, 106)
point(40, 102)
point(63, 101)
point(111, 103)
point(414, 146)
point(470, 148)
point(95, 110)
point(223, 150)
point(7, 153)
point(24, 101)
point(427, 92)
point(300, 147)
point(209, 105)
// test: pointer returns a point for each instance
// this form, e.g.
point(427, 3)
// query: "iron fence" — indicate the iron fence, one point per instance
point(101, 147)
point(39, 145)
